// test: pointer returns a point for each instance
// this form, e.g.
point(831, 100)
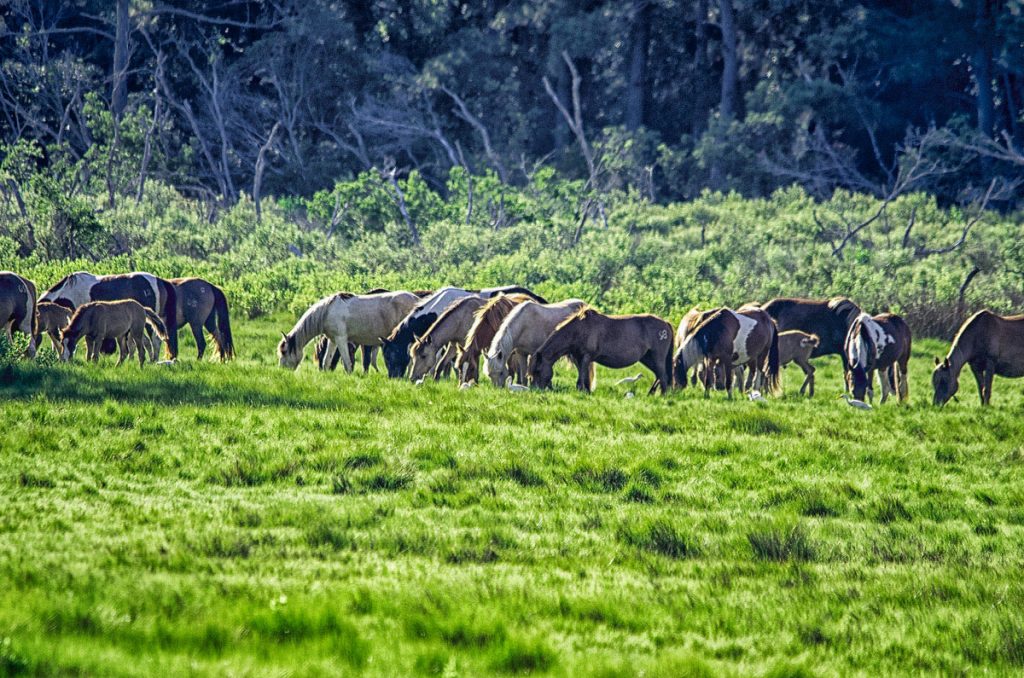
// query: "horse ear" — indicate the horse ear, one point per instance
point(937, 362)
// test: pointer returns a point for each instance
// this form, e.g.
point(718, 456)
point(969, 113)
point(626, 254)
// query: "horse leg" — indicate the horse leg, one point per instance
point(369, 358)
point(885, 381)
point(218, 338)
point(728, 378)
point(92, 348)
point(583, 382)
point(122, 350)
point(709, 376)
point(341, 342)
point(197, 334)
point(904, 384)
point(55, 340)
point(990, 373)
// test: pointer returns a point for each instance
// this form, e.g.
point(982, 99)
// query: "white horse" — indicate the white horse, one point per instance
point(522, 332)
point(344, 318)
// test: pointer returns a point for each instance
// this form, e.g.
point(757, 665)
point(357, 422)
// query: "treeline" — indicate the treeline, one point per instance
point(659, 97)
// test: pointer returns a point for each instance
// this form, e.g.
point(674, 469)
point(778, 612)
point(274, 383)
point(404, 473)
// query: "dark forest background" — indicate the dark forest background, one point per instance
point(662, 97)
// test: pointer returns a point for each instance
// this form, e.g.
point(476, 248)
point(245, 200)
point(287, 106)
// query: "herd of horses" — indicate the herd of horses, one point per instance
point(518, 336)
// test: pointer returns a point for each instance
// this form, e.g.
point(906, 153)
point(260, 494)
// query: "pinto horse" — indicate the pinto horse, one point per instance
point(877, 343)
point(728, 339)
point(203, 304)
point(344, 318)
point(829, 319)
point(418, 321)
point(991, 344)
point(589, 337)
point(156, 294)
point(18, 308)
point(522, 332)
point(486, 322)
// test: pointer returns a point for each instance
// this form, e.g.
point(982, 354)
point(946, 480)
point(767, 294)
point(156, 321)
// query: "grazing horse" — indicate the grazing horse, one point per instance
point(119, 321)
point(51, 319)
point(830, 319)
point(345, 317)
point(156, 294)
point(444, 336)
point(615, 341)
point(203, 304)
point(730, 338)
point(521, 334)
point(991, 344)
point(796, 347)
point(328, 356)
point(693, 318)
point(18, 308)
point(396, 346)
point(880, 343)
point(486, 322)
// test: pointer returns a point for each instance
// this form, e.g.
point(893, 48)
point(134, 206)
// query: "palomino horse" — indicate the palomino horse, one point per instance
point(589, 337)
point(521, 334)
point(419, 320)
point(18, 308)
point(991, 344)
point(731, 338)
point(51, 319)
point(154, 293)
point(830, 319)
point(486, 322)
point(444, 336)
point(880, 343)
point(203, 304)
point(119, 321)
point(344, 317)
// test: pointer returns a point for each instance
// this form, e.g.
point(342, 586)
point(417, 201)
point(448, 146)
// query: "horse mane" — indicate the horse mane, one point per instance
point(502, 338)
point(844, 307)
point(585, 312)
point(491, 314)
point(695, 346)
point(311, 322)
point(968, 325)
point(453, 307)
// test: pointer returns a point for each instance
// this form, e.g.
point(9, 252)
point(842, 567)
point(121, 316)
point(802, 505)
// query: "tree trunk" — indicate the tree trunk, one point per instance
point(119, 91)
point(730, 61)
point(636, 90)
point(560, 129)
point(981, 64)
point(700, 69)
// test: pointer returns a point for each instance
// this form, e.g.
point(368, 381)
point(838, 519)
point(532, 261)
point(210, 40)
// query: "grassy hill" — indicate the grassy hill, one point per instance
point(241, 519)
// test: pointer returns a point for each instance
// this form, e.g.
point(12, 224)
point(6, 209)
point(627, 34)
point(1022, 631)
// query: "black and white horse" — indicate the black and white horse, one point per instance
point(419, 320)
point(155, 293)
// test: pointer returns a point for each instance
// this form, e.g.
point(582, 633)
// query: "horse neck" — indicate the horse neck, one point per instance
point(447, 330)
point(311, 324)
point(960, 353)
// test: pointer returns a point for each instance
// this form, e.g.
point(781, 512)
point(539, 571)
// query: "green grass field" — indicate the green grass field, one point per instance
point(240, 519)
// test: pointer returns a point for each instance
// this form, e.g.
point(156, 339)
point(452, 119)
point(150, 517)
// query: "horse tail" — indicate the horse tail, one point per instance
point(157, 323)
point(668, 370)
point(226, 345)
point(773, 371)
point(170, 317)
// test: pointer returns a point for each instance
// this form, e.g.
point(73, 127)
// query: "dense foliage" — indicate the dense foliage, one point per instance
point(664, 96)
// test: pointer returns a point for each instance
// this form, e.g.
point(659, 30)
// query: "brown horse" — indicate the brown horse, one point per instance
point(880, 343)
point(121, 321)
point(991, 344)
point(445, 337)
point(615, 341)
point(830, 319)
point(796, 347)
point(51, 319)
point(728, 339)
point(203, 304)
point(486, 322)
point(18, 308)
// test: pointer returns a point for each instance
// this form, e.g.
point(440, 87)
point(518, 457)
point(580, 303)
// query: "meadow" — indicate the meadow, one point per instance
point(241, 519)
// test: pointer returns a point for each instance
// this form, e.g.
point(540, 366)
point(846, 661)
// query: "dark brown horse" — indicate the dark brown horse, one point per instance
point(589, 337)
point(877, 343)
point(828, 318)
point(18, 308)
point(203, 304)
point(487, 320)
point(991, 344)
point(729, 339)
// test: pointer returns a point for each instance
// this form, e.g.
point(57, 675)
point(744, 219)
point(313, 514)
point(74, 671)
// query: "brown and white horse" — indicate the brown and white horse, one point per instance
point(522, 332)
point(203, 304)
point(991, 344)
point(877, 343)
point(445, 337)
point(830, 319)
point(588, 337)
point(154, 293)
point(344, 317)
point(693, 318)
point(732, 338)
point(486, 322)
point(18, 308)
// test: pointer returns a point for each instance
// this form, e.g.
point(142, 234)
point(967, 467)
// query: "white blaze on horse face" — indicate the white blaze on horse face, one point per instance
point(739, 347)
point(75, 289)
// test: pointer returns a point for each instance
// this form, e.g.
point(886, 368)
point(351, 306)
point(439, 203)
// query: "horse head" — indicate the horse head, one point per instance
point(944, 382)
point(288, 353)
